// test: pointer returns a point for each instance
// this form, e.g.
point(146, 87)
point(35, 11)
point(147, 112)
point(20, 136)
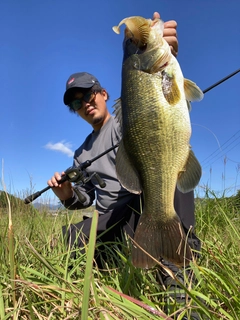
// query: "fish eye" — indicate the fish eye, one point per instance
point(130, 40)
point(143, 47)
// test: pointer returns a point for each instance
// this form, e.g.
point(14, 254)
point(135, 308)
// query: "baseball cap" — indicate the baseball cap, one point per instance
point(83, 80)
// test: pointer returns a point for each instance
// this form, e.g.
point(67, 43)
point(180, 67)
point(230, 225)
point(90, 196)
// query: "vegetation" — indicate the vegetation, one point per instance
point(40, 280)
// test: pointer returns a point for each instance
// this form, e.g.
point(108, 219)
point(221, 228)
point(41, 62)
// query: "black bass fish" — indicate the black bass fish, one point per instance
point(154, 155)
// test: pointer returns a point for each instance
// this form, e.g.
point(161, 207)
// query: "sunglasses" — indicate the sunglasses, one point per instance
point(87, 97)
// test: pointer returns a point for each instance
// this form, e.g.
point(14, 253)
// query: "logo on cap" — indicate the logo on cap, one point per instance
point(71, 80)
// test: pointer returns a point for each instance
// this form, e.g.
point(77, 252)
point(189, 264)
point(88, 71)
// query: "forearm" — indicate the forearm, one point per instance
point(74, 203)
point(67, 193)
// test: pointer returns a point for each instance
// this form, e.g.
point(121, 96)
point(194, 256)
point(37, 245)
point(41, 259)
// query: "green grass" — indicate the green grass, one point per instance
point(40, 280)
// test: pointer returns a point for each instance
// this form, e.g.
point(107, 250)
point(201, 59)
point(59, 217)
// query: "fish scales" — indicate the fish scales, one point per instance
point(154, 154)
point(159, 155)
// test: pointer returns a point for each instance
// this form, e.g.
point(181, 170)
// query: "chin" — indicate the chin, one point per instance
point(97, 120)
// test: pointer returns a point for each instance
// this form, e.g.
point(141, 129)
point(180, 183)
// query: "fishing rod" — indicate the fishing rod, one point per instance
point(221, 81)
point(76, 173)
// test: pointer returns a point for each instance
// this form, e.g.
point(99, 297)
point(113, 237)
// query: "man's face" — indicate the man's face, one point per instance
point(95, 112)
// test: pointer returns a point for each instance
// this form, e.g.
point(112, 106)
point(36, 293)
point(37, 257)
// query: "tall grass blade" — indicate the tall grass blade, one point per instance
point(11, 249)
point(2, 308)
point(89, 265)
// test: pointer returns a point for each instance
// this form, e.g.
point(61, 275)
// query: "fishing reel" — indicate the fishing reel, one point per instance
point(76, 174)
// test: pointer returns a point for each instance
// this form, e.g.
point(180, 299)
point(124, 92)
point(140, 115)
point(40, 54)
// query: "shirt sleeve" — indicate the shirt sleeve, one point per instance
point(88, 191)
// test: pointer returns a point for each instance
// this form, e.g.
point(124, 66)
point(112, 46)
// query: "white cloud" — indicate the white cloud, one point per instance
point(62, 146)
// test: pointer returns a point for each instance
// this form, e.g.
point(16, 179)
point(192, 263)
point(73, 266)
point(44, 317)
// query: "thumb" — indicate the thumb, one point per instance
point(156, 15)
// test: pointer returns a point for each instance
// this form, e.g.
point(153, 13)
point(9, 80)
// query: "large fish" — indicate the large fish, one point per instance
point(154, 155)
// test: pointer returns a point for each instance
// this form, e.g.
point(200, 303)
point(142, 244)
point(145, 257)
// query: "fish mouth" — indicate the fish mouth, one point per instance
point(143, 36)
point(137, 29)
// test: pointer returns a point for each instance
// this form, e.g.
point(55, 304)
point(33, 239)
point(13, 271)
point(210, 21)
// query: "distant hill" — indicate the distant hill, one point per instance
point(13, 200)
point(18, 205)
point(39, 205)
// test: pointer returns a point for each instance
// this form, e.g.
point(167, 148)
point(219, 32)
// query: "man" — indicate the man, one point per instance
point(118, 209)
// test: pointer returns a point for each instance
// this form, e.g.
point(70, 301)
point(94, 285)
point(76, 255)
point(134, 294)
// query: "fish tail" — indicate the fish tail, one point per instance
point(160, 240)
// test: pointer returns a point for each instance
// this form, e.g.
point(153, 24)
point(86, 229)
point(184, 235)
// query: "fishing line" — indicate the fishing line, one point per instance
point(199, 125)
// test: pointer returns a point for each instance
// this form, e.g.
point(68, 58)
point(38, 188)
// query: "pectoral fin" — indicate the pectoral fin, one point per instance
point(118, 110)
point(126, 173)
point(189, 178)
point(192, 91)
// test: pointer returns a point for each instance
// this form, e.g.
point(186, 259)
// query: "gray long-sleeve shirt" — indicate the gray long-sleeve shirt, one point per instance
point(113, 194)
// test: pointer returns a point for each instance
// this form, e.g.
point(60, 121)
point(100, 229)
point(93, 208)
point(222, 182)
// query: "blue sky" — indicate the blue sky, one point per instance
point(43, 42)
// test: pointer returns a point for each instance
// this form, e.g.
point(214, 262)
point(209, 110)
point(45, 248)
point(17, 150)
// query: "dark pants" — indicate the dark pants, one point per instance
point(124, 220)
point(121, 220)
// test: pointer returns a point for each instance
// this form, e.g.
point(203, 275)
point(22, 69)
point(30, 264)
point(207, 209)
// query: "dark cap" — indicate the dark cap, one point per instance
point(79, 80)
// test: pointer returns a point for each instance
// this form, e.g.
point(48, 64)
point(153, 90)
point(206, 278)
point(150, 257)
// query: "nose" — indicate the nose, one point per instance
point(85, 104)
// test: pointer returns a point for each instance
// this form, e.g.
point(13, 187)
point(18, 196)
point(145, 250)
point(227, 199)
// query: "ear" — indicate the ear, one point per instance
point(104, 94)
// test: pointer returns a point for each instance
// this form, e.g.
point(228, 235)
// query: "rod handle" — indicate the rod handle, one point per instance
point(35, 195)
